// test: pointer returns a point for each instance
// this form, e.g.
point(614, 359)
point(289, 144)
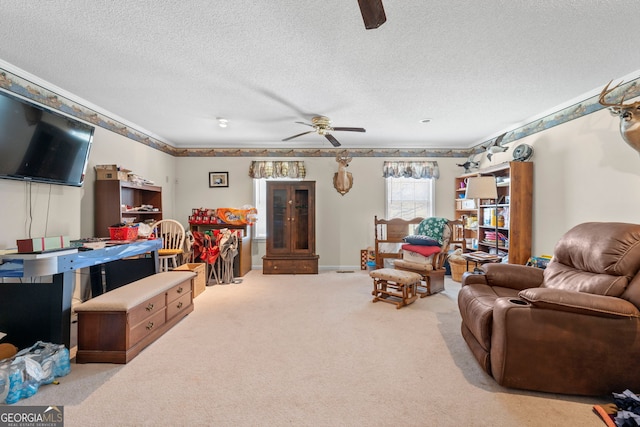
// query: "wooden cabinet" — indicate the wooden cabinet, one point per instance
point(291, 238)
point(111, 198)
point(512, 213)
point(242, 262)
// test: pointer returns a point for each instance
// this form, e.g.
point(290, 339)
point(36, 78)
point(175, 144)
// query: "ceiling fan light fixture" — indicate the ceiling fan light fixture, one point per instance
point(322, 126)
point(223, 123)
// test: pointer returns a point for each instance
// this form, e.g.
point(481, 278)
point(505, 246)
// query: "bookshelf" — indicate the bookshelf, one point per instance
point(513, 212)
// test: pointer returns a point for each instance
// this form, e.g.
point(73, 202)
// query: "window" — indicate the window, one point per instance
point(261, 171)
point(409, 198)
point(260, 202)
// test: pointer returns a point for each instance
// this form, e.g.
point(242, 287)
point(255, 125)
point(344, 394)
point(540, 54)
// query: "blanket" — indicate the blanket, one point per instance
point(433, 227)
point(425, 251)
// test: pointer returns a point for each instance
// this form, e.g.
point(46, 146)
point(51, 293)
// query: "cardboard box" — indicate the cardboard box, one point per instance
point(40, 244)
point(111, 172)
point(200, 282)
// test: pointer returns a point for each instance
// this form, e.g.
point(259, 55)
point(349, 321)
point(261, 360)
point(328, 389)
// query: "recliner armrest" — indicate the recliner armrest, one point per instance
point(511, 276)
point(579, 302)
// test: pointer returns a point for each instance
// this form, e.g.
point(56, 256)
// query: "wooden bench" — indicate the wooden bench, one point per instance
point(116, 326)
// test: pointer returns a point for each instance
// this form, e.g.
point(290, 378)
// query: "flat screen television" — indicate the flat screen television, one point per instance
point(40, 145)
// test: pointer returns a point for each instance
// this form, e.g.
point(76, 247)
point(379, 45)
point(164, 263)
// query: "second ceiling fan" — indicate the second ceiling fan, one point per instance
point(322, 126)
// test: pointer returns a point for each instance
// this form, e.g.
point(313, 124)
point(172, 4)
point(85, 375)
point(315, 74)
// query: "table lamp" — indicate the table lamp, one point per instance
point(484, 187)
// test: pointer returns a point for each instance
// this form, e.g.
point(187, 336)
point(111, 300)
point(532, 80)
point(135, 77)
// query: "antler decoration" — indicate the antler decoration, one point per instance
point(343, 180)
point(629, 116)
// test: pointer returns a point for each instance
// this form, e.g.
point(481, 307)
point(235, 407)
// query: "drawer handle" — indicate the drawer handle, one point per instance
point(149, 325)
point(179, 305)
point(179, 290)
point(150, 306)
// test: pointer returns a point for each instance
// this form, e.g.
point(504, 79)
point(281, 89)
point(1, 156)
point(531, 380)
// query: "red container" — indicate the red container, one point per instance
point(123, 233)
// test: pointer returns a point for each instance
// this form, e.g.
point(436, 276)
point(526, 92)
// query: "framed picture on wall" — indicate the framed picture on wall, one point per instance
point(218, 179)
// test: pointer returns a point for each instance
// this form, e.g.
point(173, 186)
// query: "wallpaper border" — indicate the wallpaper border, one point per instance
point(27, 89)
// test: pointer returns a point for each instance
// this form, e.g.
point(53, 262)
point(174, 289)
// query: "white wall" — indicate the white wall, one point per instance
point(344, 224)
point(583, 171)
point(51, 210)
point(61, 210)
point(112, 148)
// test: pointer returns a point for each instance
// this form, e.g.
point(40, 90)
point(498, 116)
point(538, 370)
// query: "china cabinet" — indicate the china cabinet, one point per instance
point(291, 238)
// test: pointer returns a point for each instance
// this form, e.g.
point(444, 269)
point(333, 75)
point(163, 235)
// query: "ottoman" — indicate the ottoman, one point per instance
point(433, 279)
point(395, 286)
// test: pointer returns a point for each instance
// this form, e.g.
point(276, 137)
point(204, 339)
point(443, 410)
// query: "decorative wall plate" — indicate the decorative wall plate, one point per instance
point(522, 153)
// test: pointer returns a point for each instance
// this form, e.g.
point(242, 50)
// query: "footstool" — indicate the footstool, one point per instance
point(395, 286)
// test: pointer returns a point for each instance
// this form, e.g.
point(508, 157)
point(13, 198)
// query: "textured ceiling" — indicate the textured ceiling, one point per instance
point(169, 68)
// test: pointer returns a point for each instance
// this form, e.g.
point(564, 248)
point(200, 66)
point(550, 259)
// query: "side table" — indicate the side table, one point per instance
point(480, 258)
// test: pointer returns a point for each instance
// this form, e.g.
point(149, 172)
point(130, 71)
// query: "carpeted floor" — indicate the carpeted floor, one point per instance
point(307, 350)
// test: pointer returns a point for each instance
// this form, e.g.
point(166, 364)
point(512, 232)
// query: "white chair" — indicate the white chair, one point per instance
point(172, 234)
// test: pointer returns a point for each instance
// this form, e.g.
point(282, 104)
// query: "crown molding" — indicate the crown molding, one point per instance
point(38, 91)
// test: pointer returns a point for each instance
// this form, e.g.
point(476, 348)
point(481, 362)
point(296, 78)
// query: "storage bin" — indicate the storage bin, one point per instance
point(123, 233)
point(458, 268)
point(200, 282)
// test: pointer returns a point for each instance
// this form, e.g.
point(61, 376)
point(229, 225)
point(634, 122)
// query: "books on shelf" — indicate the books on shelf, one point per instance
point(491, 236)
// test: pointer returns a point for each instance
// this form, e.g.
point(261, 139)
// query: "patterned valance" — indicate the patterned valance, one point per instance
point(285, 169)
point(417, 170)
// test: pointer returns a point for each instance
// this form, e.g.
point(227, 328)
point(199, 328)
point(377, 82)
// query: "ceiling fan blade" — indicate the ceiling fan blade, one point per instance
point(332, 140)
point(295, 136)
point(372, 13)
point(306, 124)
point(350, 129)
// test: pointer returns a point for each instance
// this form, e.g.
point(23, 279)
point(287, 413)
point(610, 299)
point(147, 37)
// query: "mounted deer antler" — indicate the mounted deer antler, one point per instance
point(629, 116)
point(343, 180)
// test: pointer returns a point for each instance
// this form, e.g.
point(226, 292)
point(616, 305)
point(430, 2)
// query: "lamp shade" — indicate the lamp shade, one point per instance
point(481, 187)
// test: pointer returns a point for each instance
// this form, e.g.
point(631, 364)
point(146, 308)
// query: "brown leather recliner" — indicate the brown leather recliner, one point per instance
point(573, 328)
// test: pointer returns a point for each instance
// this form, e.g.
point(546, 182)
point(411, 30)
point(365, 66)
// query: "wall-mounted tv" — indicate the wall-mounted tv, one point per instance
point(38, 144)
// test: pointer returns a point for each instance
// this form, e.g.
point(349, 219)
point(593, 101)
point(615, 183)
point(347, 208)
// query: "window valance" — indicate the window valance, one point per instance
point(284, 169)
point(417, 170)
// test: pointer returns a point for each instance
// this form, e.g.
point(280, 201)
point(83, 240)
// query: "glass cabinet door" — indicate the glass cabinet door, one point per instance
point(290, 218)
point(278, 206)
point(300, 238)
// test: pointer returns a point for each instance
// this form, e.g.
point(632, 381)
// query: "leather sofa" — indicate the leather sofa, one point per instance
point(572, 328)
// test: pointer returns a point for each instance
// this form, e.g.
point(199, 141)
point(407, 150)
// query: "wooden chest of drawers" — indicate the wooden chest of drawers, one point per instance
point(116, 326)
point(275, 265)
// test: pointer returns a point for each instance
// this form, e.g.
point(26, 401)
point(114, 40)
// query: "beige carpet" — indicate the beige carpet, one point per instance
point(306, 350)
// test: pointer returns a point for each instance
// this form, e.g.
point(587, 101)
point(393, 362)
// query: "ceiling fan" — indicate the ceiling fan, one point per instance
point(322, 126)
point(372, 13)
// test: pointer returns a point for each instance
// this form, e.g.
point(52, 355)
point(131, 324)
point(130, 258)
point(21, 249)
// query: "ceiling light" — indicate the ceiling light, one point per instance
point(222, 122)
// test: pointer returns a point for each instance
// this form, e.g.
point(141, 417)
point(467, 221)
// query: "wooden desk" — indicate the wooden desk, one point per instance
point(242, 263)
point(39, 308)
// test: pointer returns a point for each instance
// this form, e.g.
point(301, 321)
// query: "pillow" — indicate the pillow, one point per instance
point(420, 240)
